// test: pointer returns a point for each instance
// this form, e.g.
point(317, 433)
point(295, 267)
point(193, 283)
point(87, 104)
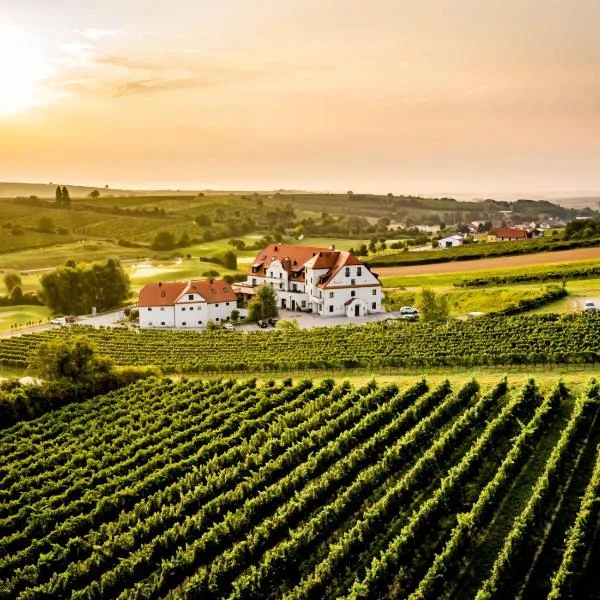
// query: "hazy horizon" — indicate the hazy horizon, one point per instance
point(440, 98)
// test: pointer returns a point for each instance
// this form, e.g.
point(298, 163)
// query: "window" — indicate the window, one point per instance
point(303, 303)
point(191, 308)
point(347, 271)
point(331, 294)
point(253, 281)
point(294, 287)
point(280, 275)
point(162, 310)
point(374, 292)
point(217, 319)
point(190, 296)
point(359, 271)
point(353, 282)
point(374, 305)
point(320, 293)
point(281, 286)
point(331, 308)
point(352, 294)
point(226, 303)
point(183, 308)
point(217, 305)
point(199, 322)
point(162, 322)
point(150, 309)
point(184, 323)
point(150, 324)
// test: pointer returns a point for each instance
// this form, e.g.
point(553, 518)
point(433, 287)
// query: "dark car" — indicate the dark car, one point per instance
point(272, 322)
point(262, 324)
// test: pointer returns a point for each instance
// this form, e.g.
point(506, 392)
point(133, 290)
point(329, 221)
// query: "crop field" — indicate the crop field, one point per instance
point(305, 490)
point(507, 340)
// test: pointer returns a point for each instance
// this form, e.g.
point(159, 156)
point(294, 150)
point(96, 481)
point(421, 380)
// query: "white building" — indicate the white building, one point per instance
point(186, 305)
point(451, 241)
point(319, 280)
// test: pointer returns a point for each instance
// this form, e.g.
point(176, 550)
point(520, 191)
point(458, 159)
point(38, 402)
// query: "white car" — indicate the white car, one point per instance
point(408, 310)
point(229, 327)
point(589, 307)
point(58, 321)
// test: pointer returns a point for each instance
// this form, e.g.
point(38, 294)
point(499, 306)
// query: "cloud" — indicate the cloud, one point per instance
point(78, 50)
point(96, 34)
point(209, 77)
point(125, 62)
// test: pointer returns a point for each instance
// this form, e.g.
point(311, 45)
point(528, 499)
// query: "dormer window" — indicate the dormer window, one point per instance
point(190, 296)
point(163, 294)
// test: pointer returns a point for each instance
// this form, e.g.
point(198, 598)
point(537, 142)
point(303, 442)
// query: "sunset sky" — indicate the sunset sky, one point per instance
point(427, 96)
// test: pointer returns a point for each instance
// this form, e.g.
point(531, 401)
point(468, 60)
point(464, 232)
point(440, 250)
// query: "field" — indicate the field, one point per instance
point(11, 316)
point(299, 489)
point(516, 340)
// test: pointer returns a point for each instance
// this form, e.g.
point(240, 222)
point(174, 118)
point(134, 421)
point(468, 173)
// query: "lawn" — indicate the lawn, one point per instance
point(22, 316)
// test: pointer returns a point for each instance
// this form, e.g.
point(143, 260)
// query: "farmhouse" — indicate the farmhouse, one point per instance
point(451, 241)
point(189, 304)
point(319, 280)
point(506, 234)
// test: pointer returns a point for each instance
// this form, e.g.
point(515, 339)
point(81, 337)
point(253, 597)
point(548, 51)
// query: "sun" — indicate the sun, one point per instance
point(23, 67)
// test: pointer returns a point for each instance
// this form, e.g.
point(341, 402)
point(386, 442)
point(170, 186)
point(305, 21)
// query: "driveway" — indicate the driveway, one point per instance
point(308, 320)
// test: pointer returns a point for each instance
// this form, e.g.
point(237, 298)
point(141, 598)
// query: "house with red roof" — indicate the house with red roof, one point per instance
point(186, 305)
point(324, 281)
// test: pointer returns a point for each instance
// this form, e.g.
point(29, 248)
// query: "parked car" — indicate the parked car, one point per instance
point(589, 307)
point(262, 324)
point(272, 321)
point(58, 321)
point(410, 316)
point(229, 327)
point(408, 310)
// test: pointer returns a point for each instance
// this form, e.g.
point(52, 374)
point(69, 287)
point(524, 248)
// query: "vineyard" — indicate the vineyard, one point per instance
point(501, 340)
point(305, 490)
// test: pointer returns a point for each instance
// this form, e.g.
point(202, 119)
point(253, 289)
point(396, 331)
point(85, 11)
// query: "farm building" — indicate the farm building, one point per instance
point(189, 304)
point(506, 234)
point(451, 241)
point(319, 280)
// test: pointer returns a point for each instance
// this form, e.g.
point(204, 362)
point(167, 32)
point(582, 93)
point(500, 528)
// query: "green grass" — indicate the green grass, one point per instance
point(22, 315)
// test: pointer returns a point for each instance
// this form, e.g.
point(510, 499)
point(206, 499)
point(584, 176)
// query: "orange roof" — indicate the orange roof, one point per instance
point(161, 294)
point(167, 294)
point(508, 232)
point(212, 290)
point(297, 256)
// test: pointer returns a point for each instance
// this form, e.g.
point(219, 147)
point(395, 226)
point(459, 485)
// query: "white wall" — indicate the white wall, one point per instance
point(336, 305)
point(157, 316)
point(221, 311)
point(365, 276)
point(191, 314)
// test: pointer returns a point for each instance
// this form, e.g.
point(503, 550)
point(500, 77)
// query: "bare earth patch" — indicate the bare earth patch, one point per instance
point(485, 264)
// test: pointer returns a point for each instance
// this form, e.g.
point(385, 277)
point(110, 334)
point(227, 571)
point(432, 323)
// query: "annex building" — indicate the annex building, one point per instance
point(186, 304)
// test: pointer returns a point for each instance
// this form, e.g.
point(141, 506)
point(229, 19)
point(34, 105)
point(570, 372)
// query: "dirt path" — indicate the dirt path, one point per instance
point(489, 264)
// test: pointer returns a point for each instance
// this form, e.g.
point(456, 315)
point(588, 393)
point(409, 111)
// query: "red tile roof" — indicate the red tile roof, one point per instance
point(167, 294)
point(508, 232)
point(296, 255)
point(161, 294)
point(212, 290)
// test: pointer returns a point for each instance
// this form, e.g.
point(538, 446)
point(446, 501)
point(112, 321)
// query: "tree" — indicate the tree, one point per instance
point(184, 240)
point(46, 225)
point(94, 194)
point(58, 196)
point(229, 260)
point(74, 360)
point(163, 240)
point(66, 199)
point(16, 295)
point(432, 307)
point(75, 289)
point(203, 221)
point(288, 325)
point(12, 280)
point(264, 304)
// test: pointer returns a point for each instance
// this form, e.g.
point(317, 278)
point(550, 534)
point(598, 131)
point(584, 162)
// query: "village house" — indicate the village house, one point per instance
point(189, 304)
point(506, 234)
point(323, 281)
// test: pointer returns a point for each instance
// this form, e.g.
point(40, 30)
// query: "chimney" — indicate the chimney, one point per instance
point(332, 247)
point(212, 281)
point(275, 249)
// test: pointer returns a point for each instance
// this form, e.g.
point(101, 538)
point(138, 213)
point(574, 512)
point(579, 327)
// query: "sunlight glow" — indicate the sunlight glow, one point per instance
point(23, 67)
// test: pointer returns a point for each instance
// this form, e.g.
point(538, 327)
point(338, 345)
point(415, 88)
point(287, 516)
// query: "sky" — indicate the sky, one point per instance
point(433, 97)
